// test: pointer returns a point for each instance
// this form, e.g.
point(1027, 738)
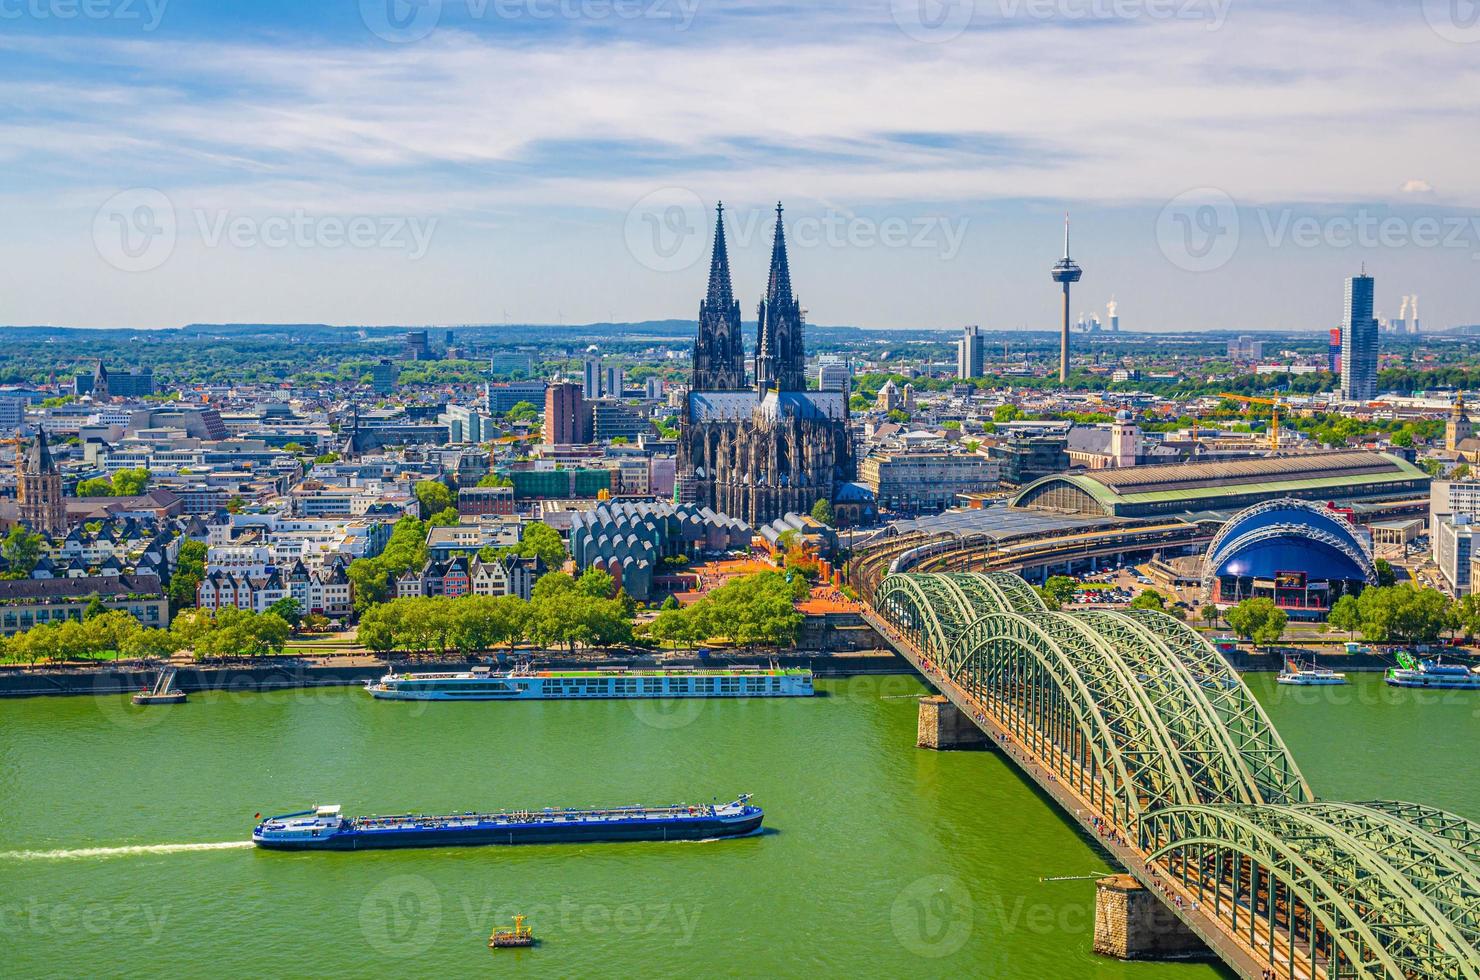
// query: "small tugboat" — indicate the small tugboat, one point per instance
point(163, 691)
point(1309, 675)
point(520, 935)
point(1432, 674)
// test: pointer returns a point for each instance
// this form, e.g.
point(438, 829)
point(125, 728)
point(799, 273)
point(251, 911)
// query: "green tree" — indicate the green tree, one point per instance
point(522, 412)
point(22, 550)
point(1346, 615)
point(1386, 577)
point(190, 569)
point(444, 518)
point(542, 541)
point(287, 608)
point(596, 583)
point(93, 608)
point(1211, 615)
point(111, 630)
point(130, 483)
point(434, 497)
point(1151, 599)
point(99, 486)
point(822, 511)
point(148, 644)
point(1061, 588)
point(369, 582)
point(495, 480)
point(1259, 620)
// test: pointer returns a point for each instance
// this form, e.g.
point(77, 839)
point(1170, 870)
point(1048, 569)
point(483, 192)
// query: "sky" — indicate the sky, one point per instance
point(1227, 163)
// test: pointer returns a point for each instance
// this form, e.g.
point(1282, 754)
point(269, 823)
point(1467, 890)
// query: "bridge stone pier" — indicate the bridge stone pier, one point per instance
point(945, 726)
point(1131, 923)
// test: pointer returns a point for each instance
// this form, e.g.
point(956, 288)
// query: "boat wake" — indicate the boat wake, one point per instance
point(108, 852)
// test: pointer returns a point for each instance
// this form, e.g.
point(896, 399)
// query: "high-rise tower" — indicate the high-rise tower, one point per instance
point(1359, 342)
point(1066, 272)
point(781, 353)
point(971, 354)
point(719, 350)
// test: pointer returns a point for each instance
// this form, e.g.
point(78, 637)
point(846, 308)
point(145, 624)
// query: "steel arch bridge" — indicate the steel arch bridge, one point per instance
point(1144, 722)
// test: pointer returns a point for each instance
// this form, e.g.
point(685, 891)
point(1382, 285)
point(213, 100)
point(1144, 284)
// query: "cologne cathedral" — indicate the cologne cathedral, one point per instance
point(763, 451)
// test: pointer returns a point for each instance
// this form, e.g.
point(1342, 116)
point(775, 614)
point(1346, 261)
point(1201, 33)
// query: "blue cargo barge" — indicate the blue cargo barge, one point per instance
point(324, 828)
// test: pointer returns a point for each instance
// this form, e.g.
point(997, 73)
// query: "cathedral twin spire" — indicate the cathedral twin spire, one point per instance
point(719, 352)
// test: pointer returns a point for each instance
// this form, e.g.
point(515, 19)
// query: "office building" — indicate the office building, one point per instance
point(418, 347)
point(1333, 353)
point(616, 380)
point(383, 376)
point(834, 373)
point(971, 354)
point(1359, 342)
point(567, 415)
point(1453, 546)
point(591, 378)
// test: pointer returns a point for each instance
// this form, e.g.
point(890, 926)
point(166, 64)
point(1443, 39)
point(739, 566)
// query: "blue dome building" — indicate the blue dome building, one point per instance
point(1299, 553)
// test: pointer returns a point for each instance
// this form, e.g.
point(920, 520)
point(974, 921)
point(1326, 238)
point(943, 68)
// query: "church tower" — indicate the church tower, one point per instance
point(1459, 427)
point(39, 489)
point(781, 352)
point(719, 350)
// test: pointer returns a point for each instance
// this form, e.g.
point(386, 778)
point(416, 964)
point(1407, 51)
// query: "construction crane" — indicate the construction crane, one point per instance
point(1274, 405)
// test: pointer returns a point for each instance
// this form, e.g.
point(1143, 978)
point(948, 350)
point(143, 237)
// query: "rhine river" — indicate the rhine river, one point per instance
point(121, 831)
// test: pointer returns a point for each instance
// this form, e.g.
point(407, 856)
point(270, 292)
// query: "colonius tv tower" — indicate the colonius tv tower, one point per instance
point(1066, 272)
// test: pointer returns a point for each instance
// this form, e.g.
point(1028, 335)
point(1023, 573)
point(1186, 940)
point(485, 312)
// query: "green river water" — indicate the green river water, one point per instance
point(879, 860)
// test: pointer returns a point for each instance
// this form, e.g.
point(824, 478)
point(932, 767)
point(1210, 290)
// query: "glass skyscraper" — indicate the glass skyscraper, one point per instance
point(1359, 342)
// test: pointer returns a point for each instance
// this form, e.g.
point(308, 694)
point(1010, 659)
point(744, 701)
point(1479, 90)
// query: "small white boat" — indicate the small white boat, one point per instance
point(1309, 675)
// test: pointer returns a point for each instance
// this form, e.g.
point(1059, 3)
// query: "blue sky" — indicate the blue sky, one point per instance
point(1227, 162)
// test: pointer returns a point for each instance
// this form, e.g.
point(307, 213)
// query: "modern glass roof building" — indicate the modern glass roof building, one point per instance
point(1178, 490)
point(1303, 555)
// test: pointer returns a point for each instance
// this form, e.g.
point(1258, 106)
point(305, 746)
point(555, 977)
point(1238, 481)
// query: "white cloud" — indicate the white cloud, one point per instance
point(1134, 112)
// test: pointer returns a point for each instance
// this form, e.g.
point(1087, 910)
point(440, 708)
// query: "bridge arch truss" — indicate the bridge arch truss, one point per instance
point(1143, 719)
